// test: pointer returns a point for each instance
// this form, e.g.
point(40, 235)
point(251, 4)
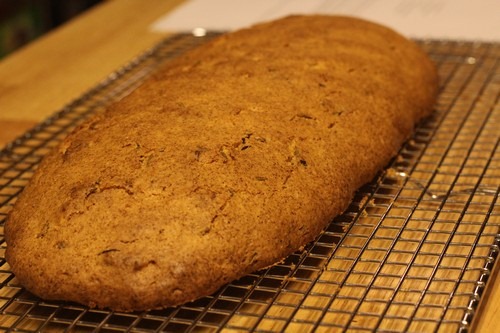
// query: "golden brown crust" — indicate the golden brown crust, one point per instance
point(226, 161)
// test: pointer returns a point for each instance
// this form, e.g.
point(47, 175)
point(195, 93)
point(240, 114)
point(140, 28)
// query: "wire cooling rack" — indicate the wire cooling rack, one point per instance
point(412, 253)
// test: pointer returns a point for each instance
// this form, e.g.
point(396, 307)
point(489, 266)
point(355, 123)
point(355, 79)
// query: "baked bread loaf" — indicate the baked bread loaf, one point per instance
point(227, 160)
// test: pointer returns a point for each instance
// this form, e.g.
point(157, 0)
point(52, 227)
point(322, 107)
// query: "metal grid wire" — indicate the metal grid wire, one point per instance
point(412, 253)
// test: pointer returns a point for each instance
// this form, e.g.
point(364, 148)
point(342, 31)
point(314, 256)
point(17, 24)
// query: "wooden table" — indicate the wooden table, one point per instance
point(50, 72)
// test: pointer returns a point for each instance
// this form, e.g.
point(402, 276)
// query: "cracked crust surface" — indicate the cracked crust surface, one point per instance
point(226, 161)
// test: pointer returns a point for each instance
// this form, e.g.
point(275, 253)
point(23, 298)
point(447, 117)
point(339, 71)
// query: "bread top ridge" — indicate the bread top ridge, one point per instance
point(225, 161)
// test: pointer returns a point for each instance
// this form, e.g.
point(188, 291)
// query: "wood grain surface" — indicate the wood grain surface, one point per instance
point(49, 73)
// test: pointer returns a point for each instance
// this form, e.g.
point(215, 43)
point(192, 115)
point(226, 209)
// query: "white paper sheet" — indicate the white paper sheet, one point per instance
point(443, 19)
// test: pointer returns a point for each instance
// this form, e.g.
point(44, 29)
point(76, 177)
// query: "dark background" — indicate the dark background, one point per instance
point(21, 21)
